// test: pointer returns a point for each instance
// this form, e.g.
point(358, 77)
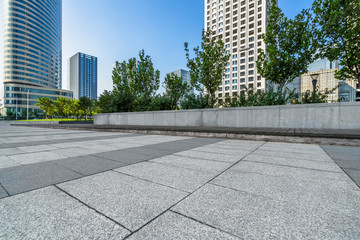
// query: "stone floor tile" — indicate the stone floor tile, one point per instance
point(124, 157)
point(344, 199)
point(29, 177)
point(179, 178)
point(98, 147)
point(251, 216)
point(325, 166)
point(193, 163)
point(49, 213)
point(174, 226)
point(212, 156)
point(74, 152)
point(218, 150)
point(297, 173)
point(306, 156)
point(149, 152)
point(6, 162)
point(30, 158)
point(88, 165)
point(350, 164)
point(354, 174)
point(130, 201)
point(38, 148)
point(2, 193)
point(10, 151)
point(343, 152)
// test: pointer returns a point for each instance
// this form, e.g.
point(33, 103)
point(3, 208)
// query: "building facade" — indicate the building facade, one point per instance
point(240, 24)
point(83, 75)
point(185, 75)
point(32, 53)
point(346, 91)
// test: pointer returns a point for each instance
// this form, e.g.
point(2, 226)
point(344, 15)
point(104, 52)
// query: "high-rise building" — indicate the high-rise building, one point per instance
point(240, 24)
point(83, 75)
point(185, 75)
point(32, 53)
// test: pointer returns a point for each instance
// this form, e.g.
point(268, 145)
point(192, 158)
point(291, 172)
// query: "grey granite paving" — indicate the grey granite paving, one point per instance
point(49, 213)
point(2, 192)
point(29, 177)
point(348, 158)
point(6, 162)
point(300, 173)
point(29, 158)
point(128, 200)
point(250, 216)
point(318, 165)
point(325, 196)
point(66, 184)
point(38, 148)
point(174, 226)
point(180, 178)
point(88, 165)
point(213, 156)
point(193, 163)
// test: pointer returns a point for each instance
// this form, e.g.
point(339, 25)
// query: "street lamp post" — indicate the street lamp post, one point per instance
point(27, 106)
point(314, 78)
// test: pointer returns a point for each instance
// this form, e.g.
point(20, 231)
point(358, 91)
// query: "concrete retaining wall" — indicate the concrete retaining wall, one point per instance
point(322, 116)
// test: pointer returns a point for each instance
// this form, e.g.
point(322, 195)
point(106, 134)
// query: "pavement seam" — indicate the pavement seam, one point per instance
point(169, 209)
point(341, 167)
point(206, 224)
point(82, 175)
point(88, 206)
point(232, 165)
point(284, 165)
point(146, 180)
point(2, 187)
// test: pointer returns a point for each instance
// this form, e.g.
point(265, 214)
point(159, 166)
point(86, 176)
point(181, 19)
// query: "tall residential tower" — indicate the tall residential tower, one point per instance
point(240, 23)
point(32, 53)
point(83, 75)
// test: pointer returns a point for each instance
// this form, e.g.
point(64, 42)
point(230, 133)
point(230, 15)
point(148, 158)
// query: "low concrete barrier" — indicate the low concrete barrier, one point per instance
point(320, 116)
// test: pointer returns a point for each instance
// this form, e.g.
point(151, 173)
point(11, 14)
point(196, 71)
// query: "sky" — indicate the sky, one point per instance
point(116, 30)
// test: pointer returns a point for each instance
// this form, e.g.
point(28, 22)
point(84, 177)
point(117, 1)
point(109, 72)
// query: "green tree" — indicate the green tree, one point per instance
point(192, 101)
point(290, 46)
point(85, 104)
point(74, 106)
point(338, 21)
point(62, 107)
point(137, 77)
point(175, 89)
point(23, 113)
point(309, 97)
point(9, 113)
point(47, 105)
point(105, 102)
point(208, 67)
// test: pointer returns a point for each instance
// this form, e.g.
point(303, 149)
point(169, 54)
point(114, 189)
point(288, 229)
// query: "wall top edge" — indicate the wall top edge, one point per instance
point(298, 106)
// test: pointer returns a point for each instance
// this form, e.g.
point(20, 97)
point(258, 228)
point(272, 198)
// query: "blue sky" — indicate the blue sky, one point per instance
point(116, 30)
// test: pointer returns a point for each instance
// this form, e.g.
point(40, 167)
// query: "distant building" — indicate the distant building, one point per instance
point(185, 75)
point(82, 75)
point(32, 54)
point(240, 24)
point(346, 91)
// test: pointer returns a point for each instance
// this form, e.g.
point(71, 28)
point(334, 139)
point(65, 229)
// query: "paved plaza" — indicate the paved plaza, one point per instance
point(72, 184)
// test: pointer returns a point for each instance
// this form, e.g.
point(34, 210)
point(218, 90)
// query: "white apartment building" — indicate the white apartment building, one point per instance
point(240, 23)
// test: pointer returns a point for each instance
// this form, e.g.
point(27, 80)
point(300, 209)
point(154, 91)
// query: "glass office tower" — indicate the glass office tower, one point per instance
point(32, 53)
point(83, 75)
